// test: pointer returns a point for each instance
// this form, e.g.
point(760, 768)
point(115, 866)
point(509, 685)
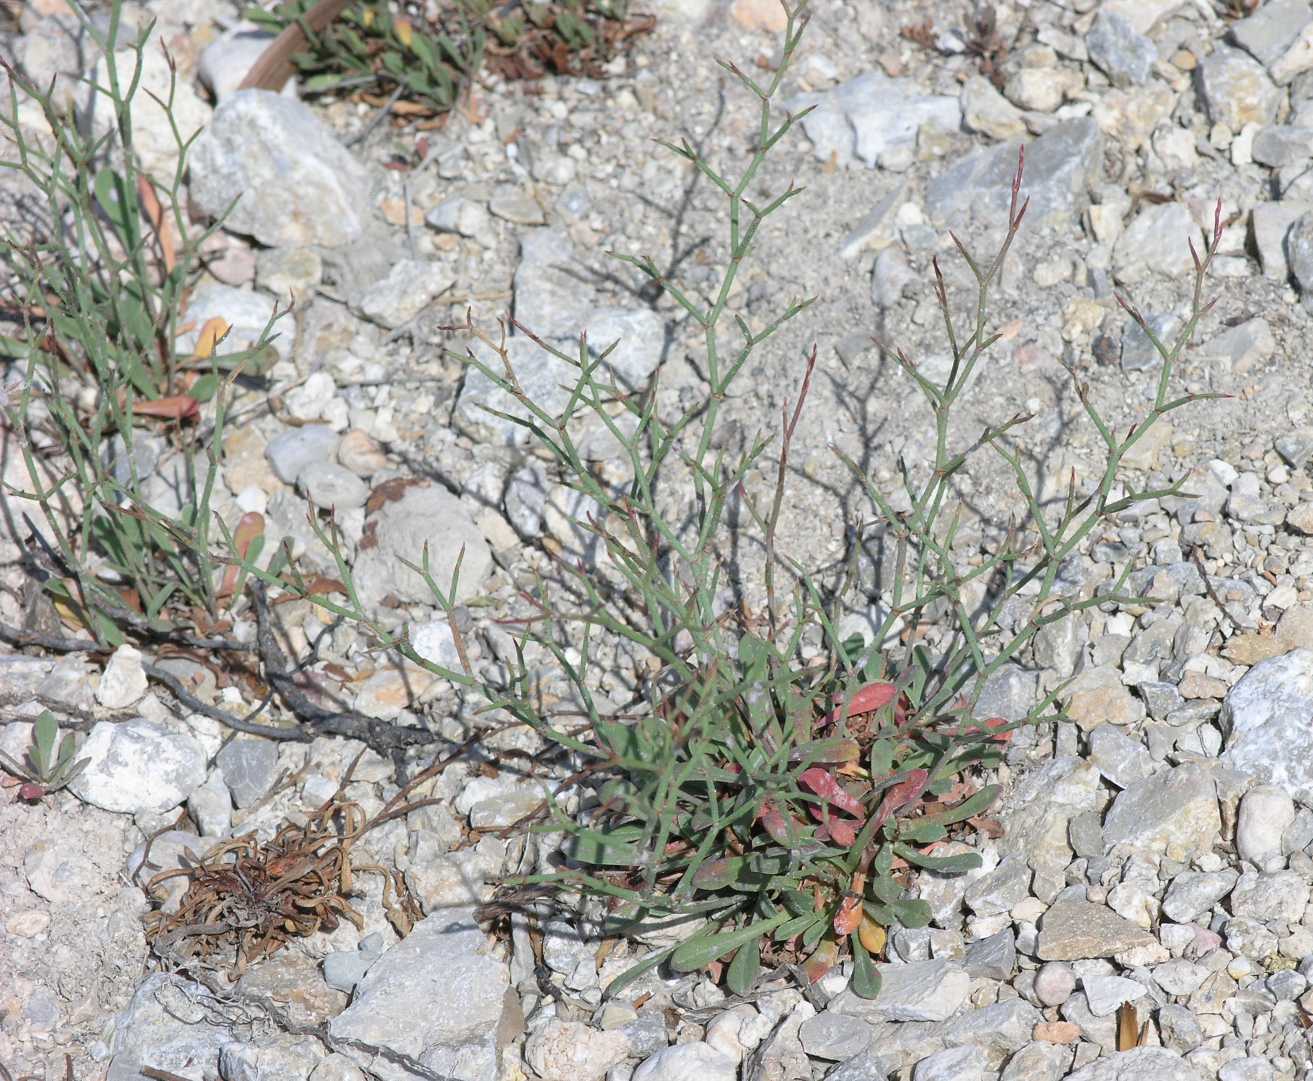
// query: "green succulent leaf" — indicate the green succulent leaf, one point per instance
point(744, 968)
point(866, 977)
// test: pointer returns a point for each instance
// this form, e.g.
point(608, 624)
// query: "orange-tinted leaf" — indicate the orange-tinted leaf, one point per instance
point(872, 936)
point(849, 916)
point(150, 203)
point(212, 333)
point(987, 725)
point(821, 961)
point(176, 407)
point(404, 31)
point(249, 527)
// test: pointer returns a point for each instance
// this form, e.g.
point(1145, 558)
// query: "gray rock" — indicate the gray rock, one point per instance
point(1038, 1061)
point(1270, 225)
point(1179, 1029)
point(437, 998)
point(1010, 693)
point(407, 289)
point(1194, 893)
point(425, 515)
point(1138, 351)
point(162, 1027)
point(138, 767)
point(1121, 53)
point(835, 1037)
point(573, 1051)
point(552, 298)
point(549, 381)
point(1074, 930)
point(1103, 994)
point(277, 1057)
point(1180, 977)
point(1265, 812)
point(1001, 889)
point(1299, 253)
point(1236, 90)
point(1156, 241)
point(329, 485)
point(992, 958)
point(951, 1064)
point(1240, 348)
point(1280, 897)
point(211, 806)
point(1174, 813)
point(1140, 1064)
point(1122, 760)
point(1272, 29)
point(517, 206)
point(1265, 722)
point(289, 452)
point(864, 1067)
point(892, 274)
point(1060, 166)
point(226, 60)
point(872, 119)
point(1295, 448)
point(922, 991)
point(293, 183)
point(1282, 145)
point(249, 766)
point(685, 1061)
point(462, 216)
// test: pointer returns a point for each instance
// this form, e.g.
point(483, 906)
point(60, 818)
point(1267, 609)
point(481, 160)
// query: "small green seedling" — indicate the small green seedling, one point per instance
point(45, 771)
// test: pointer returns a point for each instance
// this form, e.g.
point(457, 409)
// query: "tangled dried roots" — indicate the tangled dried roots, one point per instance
point(246, 900)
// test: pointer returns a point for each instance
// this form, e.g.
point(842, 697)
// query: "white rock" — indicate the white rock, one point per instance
point(1054, 983)
point(1105, 993)
point(1265, 721)
point(138, 767)
point(687, 1062)
point(124, 680)
point(573, 1051)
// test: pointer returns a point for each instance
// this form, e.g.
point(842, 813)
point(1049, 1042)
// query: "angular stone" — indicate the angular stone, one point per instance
point(1272, 29)
point(404, 292)
point(1265, 812)
point(951, 1064)
point(1157, 241)
point(1193, 893)
point(423, 516)
point(1122, 760)
point(1104, 994)
point(1173, 813)
point(1115, 47)
point(1060, 166)
point(294, 184)
point(1076, 930)
point(921, 991)
point(1281, 145)
point(835, 1037)
point(992, 958)
point(1266, 722)
point(138, 767)
point(1236, 90)
point(1270, 224)
point(1140, 1064)
point(872, 118)
point(249, 766)
point(443, 965)
point(1280, 897)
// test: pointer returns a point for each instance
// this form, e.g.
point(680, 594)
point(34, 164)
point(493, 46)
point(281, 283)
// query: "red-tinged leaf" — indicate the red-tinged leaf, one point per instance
point(843, 831)
point(849, 916)
point(988, 725)
point(30, 793)
point(820, 962)
point(868, 699)
point(990, 827)
point(784, 829)
point(176, 407)
point(822, 783)
point(903, 793)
